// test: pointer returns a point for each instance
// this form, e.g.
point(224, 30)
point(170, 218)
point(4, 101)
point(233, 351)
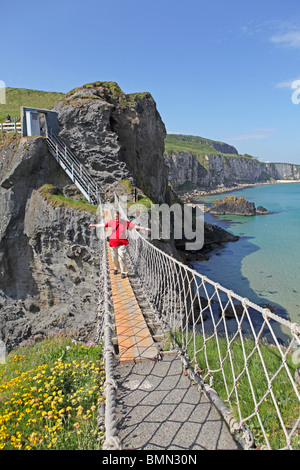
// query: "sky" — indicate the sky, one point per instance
point(220, 69)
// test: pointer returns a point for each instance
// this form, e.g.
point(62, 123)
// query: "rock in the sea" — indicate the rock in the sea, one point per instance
point(236, 206)
point(261, 210)
point(233, 205)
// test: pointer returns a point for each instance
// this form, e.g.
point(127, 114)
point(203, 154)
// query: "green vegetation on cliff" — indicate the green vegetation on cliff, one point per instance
point(17, 97)
point(199, 146)
point(52, 195)
point(103, 90)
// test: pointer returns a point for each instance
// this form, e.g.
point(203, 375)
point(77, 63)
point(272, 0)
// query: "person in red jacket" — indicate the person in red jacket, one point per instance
point(118, 240)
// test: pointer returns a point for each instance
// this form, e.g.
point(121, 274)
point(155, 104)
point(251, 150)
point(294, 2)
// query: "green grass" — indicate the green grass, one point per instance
point(103, 90)
point(17, 97)
point(142, 199)
point(9, 139)
point(284, 394)
point(51, 194)
point(127, 185)
point(198, 146)
point(49, 396)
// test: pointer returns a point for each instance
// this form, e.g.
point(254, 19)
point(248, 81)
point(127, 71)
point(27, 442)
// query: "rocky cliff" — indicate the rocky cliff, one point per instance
point(189, 171)
point(49, 269)
point(116, 136)
point(49, 258)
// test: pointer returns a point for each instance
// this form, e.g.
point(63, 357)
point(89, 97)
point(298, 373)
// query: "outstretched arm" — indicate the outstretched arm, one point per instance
point(96, 225)
point(138, 227)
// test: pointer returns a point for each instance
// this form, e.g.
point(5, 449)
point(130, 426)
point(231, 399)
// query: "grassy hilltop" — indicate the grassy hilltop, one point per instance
point(17, 97)
point(174, 143)
point(199, 146)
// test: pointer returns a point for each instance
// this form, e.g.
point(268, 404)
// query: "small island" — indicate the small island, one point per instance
point(231, 205)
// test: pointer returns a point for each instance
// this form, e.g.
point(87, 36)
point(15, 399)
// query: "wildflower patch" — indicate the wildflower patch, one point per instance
point(49, 396)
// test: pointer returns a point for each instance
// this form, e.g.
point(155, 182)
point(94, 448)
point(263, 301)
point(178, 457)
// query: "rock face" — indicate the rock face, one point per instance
point(261, 210)
point(236, 206)
point(233, 205)
point(49, 260)
point(49, 271)
point(49, 257)
point(187, 171)
point(116, 136)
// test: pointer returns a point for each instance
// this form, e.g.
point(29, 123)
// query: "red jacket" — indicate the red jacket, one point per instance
point(119, 237)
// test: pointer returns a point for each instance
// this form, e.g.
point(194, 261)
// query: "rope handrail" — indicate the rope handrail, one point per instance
point(242, 349)
point(107, 418)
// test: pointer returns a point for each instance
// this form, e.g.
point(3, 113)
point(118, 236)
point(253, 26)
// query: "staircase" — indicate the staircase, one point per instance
point(74, 169)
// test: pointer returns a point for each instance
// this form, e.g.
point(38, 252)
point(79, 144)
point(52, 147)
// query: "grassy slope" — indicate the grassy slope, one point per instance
point(17, 97)
point(283, 393)
point(52, 195)
point(199, 146)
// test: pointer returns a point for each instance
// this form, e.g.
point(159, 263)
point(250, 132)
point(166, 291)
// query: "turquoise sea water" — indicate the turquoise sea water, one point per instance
point(264, 265)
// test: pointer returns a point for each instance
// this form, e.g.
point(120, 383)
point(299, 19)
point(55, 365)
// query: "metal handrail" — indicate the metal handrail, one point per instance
point(73, 168)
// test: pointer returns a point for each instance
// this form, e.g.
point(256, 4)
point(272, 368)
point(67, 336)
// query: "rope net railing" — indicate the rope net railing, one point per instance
point(107, 420)
point(231, 346)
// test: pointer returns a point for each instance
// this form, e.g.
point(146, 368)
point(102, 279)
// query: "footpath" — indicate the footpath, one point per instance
point(159, 408)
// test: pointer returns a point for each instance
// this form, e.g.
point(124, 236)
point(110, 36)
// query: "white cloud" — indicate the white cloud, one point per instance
point(289, 39)
point(287, 85)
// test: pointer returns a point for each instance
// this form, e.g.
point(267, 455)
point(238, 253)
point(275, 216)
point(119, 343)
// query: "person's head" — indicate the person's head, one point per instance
point(117, 215)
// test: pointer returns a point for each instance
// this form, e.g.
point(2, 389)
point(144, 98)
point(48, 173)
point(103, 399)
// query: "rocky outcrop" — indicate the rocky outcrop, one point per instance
point(49, 269)
point(262, 210)
point(188, 171)
point(49, 257)
point(233, 205)
point(116, 136)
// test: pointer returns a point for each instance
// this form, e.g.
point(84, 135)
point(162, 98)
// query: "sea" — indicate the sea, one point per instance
point(264, 264)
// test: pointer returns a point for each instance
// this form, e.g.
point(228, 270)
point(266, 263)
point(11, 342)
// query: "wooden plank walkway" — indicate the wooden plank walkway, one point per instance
point(134, 338)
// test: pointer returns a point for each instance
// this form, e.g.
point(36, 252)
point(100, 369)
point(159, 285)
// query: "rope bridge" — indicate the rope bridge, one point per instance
point(229, 346)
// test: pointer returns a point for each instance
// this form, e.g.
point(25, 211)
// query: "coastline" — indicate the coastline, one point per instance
point(190, 198)
point(187, 196)
point(250, 266)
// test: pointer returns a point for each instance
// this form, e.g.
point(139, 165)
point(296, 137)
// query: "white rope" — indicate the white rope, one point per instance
point(113, 443)
point(110, 387)
point(202, 314)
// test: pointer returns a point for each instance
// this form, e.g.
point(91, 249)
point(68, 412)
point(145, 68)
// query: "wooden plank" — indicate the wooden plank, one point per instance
point(134, 338)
